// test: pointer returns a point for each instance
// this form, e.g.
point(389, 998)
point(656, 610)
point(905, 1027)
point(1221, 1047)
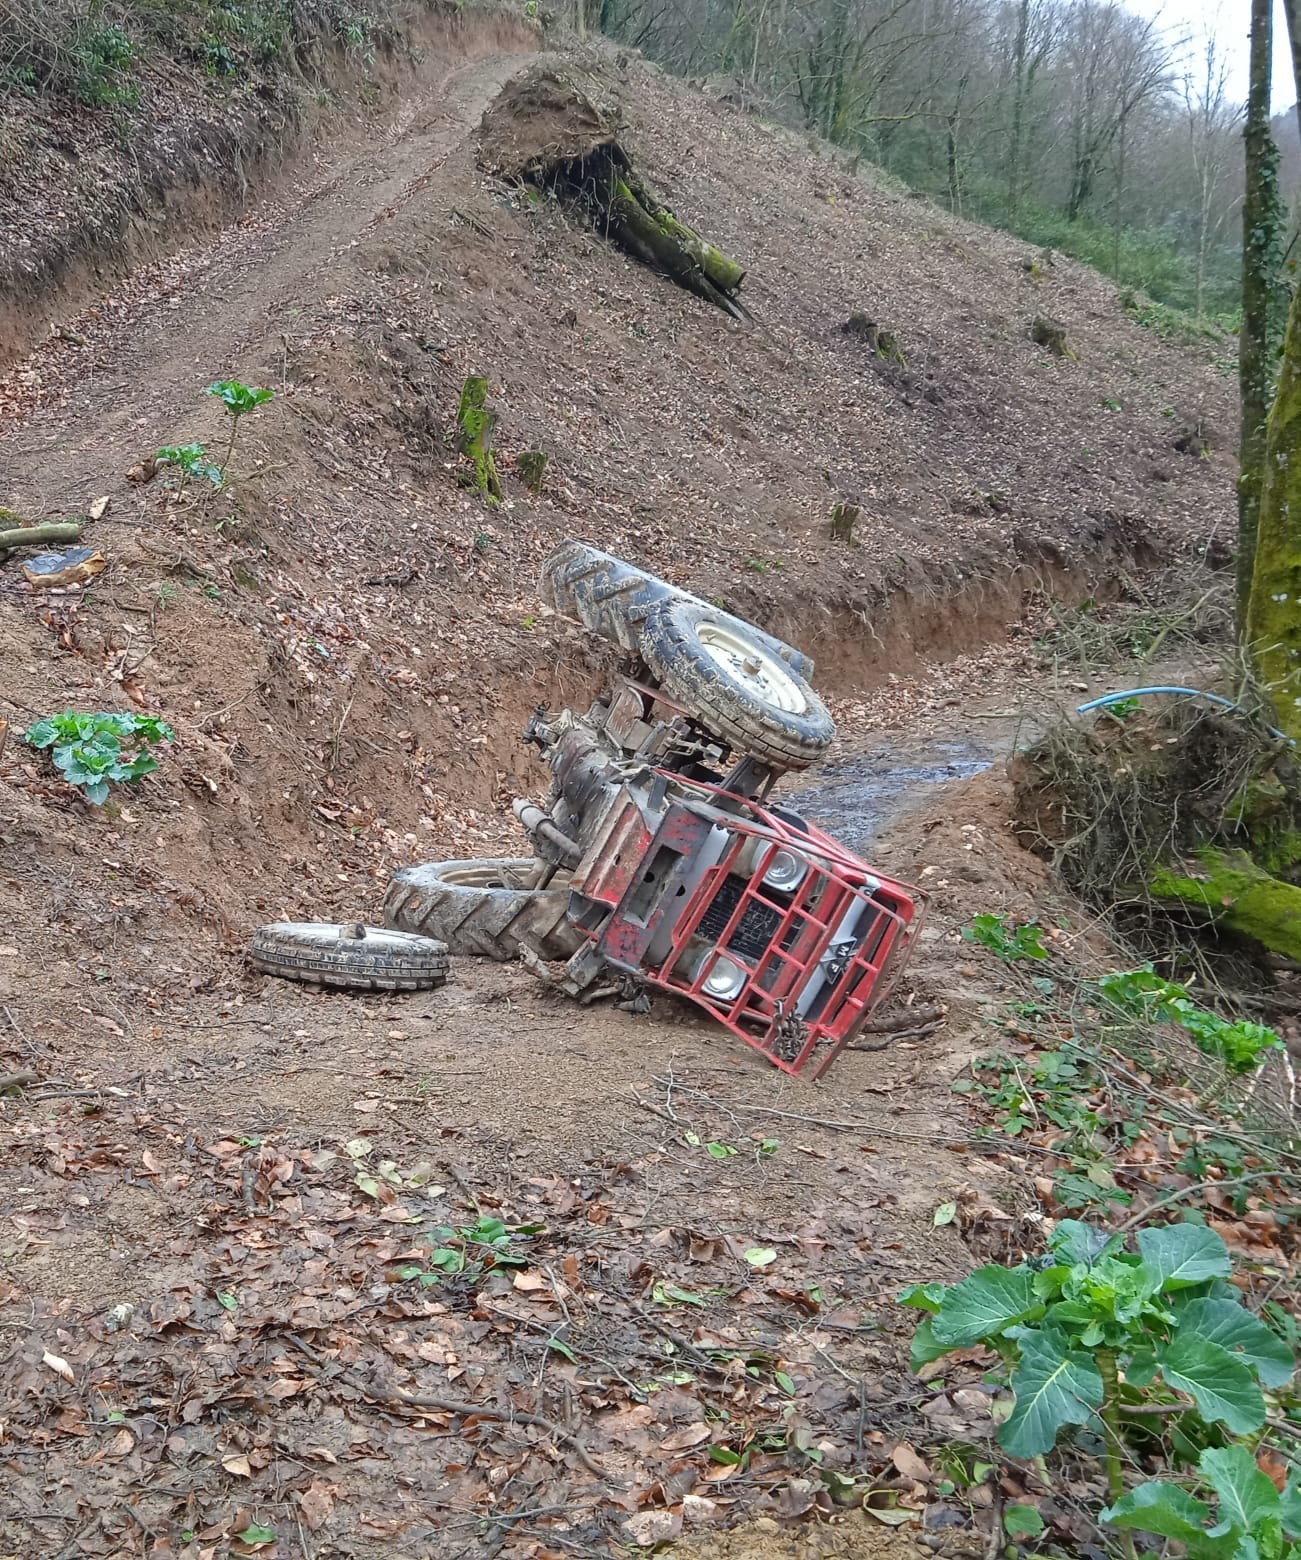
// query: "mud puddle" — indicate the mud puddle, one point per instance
point(855, 798)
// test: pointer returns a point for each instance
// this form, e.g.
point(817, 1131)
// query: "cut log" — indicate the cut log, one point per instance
point(31, 535)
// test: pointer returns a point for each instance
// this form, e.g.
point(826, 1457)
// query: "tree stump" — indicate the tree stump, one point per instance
point(532, 468)
point(477, 424)
point(1051, 336)
point(844, 517)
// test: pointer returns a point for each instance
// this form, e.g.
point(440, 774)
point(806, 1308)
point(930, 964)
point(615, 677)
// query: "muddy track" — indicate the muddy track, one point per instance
point(177, 325)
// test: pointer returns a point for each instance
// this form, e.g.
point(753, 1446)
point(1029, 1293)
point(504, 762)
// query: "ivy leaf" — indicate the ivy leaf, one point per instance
point(1022, 1522)
point(1234, 1328)
point(1168, 1511)
point(1248, 1500)
point(984, 1303)
point(1218, 1382)
point(1184, 1254)
point(1054, 1386)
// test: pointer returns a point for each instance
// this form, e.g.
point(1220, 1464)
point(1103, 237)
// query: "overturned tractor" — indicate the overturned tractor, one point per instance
point(659, 859)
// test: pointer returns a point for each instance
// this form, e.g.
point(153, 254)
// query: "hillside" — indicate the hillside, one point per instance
point(347, 643)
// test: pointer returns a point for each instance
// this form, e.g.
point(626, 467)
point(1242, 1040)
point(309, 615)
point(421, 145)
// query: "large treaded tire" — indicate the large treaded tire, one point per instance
point(613, 598)
point(480, 908)
point(727, 702)
point(358, 958)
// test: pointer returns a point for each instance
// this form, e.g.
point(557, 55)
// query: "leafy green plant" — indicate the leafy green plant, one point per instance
point(1070, 1325)
point(1239, 1044)
point(239, 400)
point(94, 751)
point(470, 1251)
point(1253, 1521)
point(191, 461)
point(1010, 943)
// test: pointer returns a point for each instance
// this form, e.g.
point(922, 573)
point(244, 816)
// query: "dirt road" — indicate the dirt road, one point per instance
point(214, 308)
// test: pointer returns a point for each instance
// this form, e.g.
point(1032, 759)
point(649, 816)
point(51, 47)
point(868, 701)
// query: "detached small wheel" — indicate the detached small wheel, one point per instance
point(356, 957)
point(726, 674)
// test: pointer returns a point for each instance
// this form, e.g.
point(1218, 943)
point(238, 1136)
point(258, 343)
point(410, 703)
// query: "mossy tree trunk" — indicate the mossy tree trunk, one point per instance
point(1273, 625)
point(1230, 890)
point(1262, 244)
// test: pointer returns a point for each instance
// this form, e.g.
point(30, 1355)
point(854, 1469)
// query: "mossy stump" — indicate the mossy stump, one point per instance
point(532, 468)
point(477, 424)
point(1052, 337)
point(844, 517)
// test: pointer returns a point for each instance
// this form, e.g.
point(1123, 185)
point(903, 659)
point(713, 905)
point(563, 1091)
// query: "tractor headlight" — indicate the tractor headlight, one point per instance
point(726, 979)
point(785, 872)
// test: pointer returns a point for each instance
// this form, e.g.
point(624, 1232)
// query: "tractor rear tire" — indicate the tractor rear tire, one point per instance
point(356, 957)
point(483, 908)
point(613, 599)
point(728, 677)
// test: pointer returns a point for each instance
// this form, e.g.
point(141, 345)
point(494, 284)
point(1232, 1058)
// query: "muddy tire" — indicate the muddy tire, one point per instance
point(357, 958)
point(481, 908)
point(728, 677)
point(613, 599)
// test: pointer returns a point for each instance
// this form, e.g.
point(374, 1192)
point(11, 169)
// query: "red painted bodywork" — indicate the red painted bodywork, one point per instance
point(835, 943)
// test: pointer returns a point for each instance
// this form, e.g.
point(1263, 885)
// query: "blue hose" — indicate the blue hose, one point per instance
point(1192, 693)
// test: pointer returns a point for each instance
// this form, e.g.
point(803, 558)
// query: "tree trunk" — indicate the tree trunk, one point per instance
point(1016, 152)
point(1262, 224)
point(1231, 891)
point(1118, 208)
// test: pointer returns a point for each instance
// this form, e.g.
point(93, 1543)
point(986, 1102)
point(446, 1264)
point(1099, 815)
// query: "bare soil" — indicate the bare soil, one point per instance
point(347, 643)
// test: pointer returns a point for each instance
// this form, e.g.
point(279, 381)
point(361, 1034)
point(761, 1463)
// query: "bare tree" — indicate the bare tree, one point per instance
point(1212, 123)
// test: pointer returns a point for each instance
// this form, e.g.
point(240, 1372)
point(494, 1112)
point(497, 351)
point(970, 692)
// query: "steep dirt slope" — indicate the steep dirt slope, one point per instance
point(347, 643)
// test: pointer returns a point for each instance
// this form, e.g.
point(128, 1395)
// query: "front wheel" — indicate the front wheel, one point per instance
point(733, 683)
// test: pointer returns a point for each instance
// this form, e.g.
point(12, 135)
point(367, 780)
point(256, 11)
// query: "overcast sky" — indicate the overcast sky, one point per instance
point(1229, 21)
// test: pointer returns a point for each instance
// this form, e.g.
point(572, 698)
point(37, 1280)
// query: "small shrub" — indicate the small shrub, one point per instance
point(1239, 1044)
point(1255, 1521)
point(1072, 1325)
point(94, 751)
point(239, 400)
point(1010, 943)
point(192, 461)
point(469, 1252)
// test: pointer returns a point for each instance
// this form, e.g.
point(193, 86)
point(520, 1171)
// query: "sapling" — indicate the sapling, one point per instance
point(1072, 1324)
point(239, 400)
point(191, 460)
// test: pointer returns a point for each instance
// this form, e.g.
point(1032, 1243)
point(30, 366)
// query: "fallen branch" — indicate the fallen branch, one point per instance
point(30, 535)
point(395, 1397)
point(17, 1080)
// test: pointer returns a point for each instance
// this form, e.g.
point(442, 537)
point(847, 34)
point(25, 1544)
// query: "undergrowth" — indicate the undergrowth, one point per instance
point(101, 55)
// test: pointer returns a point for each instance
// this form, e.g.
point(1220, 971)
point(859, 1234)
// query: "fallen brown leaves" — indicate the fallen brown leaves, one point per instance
point(283, 1379)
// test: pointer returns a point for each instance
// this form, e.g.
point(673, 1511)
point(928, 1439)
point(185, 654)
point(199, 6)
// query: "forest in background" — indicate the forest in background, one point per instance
point(1076, 124)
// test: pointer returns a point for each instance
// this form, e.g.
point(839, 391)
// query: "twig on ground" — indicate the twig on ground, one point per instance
point(396, 1397)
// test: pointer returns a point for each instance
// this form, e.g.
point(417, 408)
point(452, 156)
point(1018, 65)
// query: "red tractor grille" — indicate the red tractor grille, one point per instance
point(785, 937)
